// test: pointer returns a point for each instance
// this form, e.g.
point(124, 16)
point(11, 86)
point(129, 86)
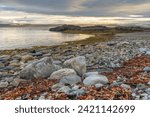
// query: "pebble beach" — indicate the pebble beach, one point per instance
point(118, 69)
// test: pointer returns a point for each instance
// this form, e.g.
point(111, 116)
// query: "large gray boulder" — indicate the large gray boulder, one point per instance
point(62, 73)
point(39, 69)
point(95, 79)
point(78, 64)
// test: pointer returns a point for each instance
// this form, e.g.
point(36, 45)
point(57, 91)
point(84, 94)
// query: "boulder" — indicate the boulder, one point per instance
point(95, 79)
point(60, 74)
point(71, 79)
point(78, 64)
point(39, 69)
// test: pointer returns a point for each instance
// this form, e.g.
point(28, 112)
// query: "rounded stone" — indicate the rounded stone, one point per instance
point(71, 79)
point(3, 84)
point(60, 74)
point(125, 86)
point(94, 79)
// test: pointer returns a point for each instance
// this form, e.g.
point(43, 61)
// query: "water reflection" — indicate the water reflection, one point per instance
point(24, 37)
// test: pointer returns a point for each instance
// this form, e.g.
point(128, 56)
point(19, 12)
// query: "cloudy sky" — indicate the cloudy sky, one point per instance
point(74, 11)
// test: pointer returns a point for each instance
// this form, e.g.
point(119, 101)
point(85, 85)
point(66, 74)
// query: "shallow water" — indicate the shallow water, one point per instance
point(24, 37)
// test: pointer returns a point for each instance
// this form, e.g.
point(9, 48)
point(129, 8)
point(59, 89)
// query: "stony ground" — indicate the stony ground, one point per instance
point(118, 69)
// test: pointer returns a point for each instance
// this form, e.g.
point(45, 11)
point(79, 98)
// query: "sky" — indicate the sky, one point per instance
point(75, 11)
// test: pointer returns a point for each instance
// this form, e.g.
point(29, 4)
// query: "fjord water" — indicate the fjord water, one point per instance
point(25, 37)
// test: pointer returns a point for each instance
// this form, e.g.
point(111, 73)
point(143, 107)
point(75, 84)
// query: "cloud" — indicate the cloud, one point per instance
point(78, 5)
point(132, 8)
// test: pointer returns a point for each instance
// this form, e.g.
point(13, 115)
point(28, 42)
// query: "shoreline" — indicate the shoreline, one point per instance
point(122, 60)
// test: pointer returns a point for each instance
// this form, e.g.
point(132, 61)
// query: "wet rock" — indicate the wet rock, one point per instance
point(3, 84)
point(60, 74)
point(125, 86)
point(78, 64)
point(94, 79)
point(39, 69)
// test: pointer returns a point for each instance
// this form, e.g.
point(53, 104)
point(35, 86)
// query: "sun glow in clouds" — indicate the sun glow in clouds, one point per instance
point(8, 16)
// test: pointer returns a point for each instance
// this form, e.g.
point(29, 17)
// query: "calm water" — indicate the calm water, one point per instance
point(24, 37)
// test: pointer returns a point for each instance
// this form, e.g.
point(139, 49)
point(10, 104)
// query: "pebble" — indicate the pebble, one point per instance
point(64, 89)
point(19, 98)
point(41, 98)
point(77, 92)
point(146, 69)
point(3, 84)
point(1, 65)
point(125, 86)
point(27, 58)
point(148, 53)
point(141, 86)
point(37, 54)
point(16, 82)
point(133, 95)
point(56, 87)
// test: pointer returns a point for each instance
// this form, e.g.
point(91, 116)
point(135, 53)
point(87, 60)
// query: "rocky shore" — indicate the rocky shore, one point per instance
point(118, 69)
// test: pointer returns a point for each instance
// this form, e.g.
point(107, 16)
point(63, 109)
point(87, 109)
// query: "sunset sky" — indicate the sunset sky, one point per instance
point(75, 11)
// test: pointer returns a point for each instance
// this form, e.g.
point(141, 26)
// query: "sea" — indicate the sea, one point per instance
point(27, 37)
